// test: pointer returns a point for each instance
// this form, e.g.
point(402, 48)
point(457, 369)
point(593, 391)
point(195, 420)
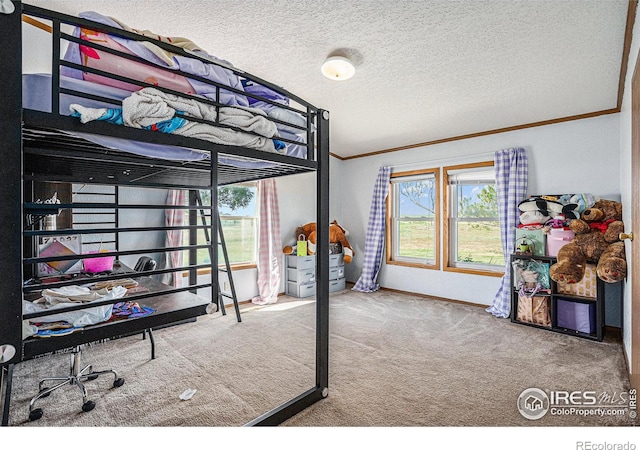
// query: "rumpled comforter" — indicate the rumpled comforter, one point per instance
point(149, 107)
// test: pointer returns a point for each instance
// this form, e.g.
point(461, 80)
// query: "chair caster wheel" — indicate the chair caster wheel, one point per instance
point(45, 395)
point(118, 382)
point(35, 414)
point(88, 405)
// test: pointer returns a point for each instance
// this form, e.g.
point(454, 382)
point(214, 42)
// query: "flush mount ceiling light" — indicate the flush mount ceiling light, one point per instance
point(338, 68)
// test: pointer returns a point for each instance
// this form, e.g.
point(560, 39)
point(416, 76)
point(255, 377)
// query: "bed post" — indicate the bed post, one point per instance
point(322, 258)
point(11, 184)
point(11, 195)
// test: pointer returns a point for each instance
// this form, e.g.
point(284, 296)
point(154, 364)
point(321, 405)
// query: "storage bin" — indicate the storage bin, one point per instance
point(301, 290)
point(336, 259)
point(335, 273)
point(576, 316)
point(301, 262)
point(587, 287)
point(301, 276)
point(337, 285)
point(97, 265)
point(558, 238)
point(534, 310)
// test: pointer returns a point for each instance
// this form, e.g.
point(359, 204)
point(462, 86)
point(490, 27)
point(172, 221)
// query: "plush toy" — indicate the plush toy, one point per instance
point(541, 209)
point(596, 241)
point(336, 234)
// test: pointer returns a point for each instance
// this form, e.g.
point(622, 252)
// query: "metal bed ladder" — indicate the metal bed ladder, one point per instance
point(227, 267)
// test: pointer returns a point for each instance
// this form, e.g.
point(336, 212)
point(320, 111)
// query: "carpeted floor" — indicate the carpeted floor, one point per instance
point(395, 360)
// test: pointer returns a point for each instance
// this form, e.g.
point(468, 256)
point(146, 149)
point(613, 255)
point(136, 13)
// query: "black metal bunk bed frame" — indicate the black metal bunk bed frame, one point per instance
point(37, 146)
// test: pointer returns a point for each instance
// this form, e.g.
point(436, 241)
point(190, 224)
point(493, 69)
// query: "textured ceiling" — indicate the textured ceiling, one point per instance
point(425, 69)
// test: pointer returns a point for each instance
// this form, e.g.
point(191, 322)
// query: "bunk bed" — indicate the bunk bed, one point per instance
point(54, 130)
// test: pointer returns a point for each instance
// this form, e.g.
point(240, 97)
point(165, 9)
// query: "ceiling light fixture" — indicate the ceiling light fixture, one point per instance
point(338, 68)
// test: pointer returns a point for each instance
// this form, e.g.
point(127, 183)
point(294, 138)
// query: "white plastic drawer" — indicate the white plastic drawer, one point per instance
point(336, 272)
point(337, 285)
point(336, 259)
point(301, 290)
point(301, 275)
point(301, 262)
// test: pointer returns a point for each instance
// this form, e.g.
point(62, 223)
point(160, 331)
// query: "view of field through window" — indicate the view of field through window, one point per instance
point(474, 229)
point(238, 215)
point(415, 217)
point(476, 224)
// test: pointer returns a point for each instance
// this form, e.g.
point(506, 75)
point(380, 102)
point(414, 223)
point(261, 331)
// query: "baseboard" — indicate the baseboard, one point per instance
point(616, 333)
point(434, 297)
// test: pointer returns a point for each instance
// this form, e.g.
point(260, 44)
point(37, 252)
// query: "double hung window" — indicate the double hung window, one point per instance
point(412, 222)
point(472, 227)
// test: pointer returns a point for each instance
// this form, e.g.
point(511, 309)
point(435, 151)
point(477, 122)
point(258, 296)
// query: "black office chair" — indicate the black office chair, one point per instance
point(145, 264)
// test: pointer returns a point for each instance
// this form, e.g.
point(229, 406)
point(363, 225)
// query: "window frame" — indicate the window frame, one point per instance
point(449, 266)
point(247, 264)
point(256, 218)
point(391, 244)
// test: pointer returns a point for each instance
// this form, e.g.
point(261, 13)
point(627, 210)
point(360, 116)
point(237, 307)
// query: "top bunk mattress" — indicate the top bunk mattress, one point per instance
point(36, 95)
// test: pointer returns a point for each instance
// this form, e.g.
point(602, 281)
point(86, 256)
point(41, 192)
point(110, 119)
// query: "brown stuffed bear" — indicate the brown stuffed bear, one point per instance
point(336, 234)
point(596, 241)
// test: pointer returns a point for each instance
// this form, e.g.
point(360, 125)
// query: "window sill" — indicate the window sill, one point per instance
point(486, 273)
point(234, 268)
point(435, 266)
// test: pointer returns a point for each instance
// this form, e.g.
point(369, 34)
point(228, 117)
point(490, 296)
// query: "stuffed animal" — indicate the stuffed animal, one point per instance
point(596, 241)
point(336, 234)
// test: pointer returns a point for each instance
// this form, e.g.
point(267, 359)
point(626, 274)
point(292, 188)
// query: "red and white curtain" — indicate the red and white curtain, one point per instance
point(269, 261)
point(174, 218)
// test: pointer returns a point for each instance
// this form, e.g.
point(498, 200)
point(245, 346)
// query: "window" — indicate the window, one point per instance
point(472, 238)
point(412, 222)
point(238, 214)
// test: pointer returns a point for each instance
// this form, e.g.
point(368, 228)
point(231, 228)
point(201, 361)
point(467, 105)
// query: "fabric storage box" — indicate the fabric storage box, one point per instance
point(576, 316)
point(535, 310)
point(536, 237)
point(556, 239)
point(587, 287)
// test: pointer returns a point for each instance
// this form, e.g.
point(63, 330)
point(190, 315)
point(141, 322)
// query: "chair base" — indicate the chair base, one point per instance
point(76, 377)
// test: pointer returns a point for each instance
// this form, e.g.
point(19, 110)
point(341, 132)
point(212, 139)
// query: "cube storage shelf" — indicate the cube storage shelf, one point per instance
point(576, 315)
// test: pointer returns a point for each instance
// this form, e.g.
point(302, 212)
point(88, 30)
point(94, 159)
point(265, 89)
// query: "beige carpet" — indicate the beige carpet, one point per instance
point(395, 360)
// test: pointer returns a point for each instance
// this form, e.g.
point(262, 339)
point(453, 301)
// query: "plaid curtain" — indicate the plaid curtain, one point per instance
point(374, 240)
point(269, 243)
point(511, 187)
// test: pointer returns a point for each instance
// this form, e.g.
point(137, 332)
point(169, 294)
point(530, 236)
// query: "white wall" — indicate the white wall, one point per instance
point(576, 156)
point(297, 201)
point(625, 180)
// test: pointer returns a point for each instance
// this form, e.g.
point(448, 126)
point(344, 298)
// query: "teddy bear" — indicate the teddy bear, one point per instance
point(596, 241)
point(337, 234)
